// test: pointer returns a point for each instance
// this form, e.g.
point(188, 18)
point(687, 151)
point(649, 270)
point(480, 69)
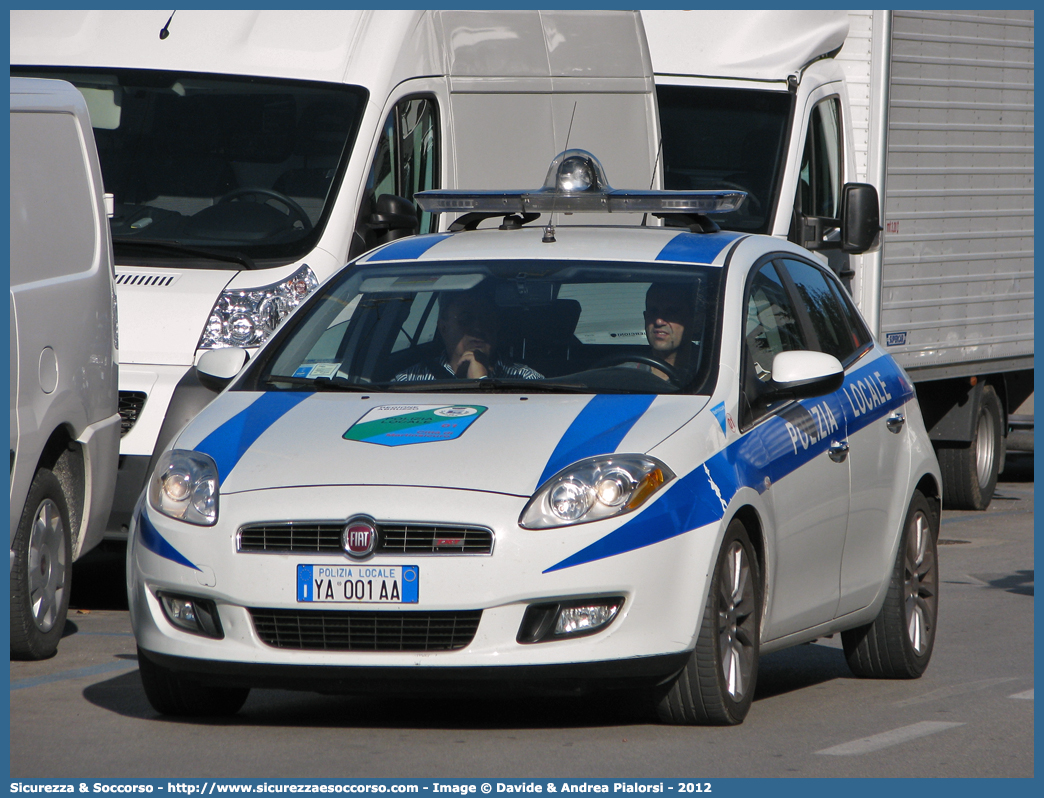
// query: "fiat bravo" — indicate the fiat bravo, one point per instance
point(526, 457)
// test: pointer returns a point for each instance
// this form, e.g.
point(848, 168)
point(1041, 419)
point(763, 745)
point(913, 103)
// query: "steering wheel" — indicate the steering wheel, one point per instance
point(297, 213)
point(673, 376)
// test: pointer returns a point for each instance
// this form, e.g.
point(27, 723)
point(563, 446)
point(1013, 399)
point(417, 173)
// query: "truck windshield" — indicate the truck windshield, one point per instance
point(219, 163)
point(726, 138)
point(532, 326)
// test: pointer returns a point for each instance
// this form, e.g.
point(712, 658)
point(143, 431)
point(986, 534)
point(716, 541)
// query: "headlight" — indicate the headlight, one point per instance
point(185, 486)
point(247, 316)
point(593, 489)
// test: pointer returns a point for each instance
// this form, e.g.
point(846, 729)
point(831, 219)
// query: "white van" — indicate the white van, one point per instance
point(65, 430)
point(252, 153)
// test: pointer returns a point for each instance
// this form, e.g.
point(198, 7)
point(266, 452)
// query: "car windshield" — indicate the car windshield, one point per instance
point(216, 163)
point(717, 138)
point(532, 326)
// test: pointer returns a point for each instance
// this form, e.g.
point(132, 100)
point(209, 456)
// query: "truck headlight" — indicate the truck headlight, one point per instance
point(247, 316)
point(184, 486)
point(593, 489)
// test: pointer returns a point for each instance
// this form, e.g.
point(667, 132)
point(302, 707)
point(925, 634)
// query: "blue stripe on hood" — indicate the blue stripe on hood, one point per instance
point(229, 442)
point(597, 429)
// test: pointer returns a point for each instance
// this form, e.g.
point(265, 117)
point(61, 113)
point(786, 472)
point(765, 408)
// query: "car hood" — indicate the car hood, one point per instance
point(503, 443)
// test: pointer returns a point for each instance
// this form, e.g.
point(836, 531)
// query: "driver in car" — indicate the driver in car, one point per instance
point(469, 326)
point(669, 325)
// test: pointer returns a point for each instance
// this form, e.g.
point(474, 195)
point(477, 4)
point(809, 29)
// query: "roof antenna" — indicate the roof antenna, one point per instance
point(659, 149)
point(549, 231)
point(164, 33)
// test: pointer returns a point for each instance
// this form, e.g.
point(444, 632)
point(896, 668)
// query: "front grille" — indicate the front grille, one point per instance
point(324, 537)
point(131, 403)
point(357, 630)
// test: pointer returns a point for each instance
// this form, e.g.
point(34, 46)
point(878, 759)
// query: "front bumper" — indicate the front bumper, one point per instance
point(565, 679)
point(664, 588)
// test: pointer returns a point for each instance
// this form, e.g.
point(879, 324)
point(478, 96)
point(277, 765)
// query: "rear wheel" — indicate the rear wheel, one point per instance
point(173, 694)
point(716, 686)
point(970, 472)
point(898, 644)
point(41, 571)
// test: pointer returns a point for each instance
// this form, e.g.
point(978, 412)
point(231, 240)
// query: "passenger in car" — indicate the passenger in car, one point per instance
point(469, 326)
point(669, 325)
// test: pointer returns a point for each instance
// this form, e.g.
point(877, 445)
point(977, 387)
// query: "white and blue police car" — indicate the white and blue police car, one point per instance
point(517, 456)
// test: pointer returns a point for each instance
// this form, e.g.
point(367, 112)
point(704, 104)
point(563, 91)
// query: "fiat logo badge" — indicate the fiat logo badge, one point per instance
point(359, 537)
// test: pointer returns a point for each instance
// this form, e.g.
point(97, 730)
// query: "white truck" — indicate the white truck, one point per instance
point(253, 153)
point(935, 110)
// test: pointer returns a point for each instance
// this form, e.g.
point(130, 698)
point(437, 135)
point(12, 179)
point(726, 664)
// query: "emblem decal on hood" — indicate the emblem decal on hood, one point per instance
point(399, 425)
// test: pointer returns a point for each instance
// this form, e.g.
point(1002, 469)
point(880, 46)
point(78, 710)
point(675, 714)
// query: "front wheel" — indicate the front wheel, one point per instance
point(898, 644)
point(41, 570)
point(716, 686)
point(173, 694)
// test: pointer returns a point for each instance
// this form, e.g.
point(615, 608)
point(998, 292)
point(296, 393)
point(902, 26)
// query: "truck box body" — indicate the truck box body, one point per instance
point(935, 110)
point(954, 277)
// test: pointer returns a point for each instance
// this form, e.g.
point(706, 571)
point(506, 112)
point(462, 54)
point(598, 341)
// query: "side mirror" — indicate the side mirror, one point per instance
point(217, 367)
point(860, 217)
point(802, 375)
point(394, 217)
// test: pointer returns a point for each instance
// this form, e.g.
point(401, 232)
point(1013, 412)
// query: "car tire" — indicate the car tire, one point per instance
point(970, 472)
point(170, 693)
point(898, 644)
point(41, 570)
point(716, 686)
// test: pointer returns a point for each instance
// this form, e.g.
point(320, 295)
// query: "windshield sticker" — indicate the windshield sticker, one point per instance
point(399, 425)
point(316, 370)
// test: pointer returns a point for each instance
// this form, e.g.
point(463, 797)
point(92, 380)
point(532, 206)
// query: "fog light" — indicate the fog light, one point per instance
point(577, 620)
point(561, 620)
point(195, 615)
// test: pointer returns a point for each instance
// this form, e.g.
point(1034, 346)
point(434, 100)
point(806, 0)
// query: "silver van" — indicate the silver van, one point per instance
point(65, 428)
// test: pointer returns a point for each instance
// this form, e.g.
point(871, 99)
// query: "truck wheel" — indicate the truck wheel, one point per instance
point(970, 472)
point(898, 644)
point(41, 571)
point(173, 694)
point(716, 685)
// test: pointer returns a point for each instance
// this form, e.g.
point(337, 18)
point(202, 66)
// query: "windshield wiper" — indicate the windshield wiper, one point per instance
point(488, 385)
point(125, 242)
point(324, 383)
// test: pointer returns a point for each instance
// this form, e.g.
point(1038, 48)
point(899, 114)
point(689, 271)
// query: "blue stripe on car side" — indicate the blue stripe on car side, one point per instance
point(407, 248)
point(229, 442)
point(697, 247)
point(597, 429)
point(702, 496)
point(155, 542)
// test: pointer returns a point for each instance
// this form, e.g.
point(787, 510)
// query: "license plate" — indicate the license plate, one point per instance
point(358, 584)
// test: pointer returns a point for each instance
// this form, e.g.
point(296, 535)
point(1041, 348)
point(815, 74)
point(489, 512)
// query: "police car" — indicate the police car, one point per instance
point(519, 456)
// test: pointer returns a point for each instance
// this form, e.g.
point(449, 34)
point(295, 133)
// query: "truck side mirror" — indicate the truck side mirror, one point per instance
point(860, 217)
point(394, 217)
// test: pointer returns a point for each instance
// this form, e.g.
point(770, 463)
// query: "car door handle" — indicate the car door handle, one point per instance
point(895, 422)
point(838, 451)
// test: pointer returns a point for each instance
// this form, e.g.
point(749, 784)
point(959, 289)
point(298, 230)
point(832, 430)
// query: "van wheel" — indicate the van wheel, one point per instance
point(716, 686)
point(898, 644)
point(173, 694)
point(970, 472)
point(42, 568)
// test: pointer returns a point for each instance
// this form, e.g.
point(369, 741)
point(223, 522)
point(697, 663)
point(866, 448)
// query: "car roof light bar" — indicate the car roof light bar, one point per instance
point(576, 183)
